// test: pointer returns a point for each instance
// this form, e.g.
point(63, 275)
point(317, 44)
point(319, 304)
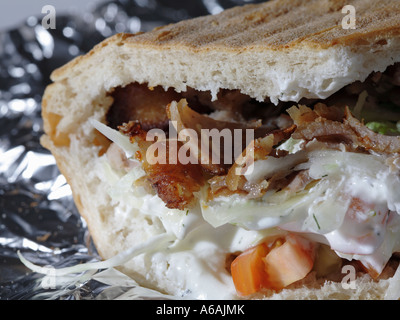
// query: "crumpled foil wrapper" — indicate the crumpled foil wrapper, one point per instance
point(38, 217)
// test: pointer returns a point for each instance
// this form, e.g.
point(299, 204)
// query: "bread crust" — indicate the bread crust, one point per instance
point(276, 25)
point(281, 50)
point(281, 25)
point(273, 25)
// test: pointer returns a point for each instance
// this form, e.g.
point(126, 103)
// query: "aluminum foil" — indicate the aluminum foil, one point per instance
point(38, 217)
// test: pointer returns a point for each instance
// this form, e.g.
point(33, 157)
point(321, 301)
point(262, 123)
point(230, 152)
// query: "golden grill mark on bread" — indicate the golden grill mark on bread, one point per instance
point(281, 24)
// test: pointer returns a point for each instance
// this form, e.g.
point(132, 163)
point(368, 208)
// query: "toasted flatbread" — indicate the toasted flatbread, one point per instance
point(271, 53)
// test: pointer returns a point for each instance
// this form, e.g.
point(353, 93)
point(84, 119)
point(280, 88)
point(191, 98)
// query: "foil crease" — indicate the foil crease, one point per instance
point(37, 214)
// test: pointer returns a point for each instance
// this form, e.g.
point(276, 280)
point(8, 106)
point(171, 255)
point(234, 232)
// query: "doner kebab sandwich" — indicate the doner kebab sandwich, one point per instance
point(250, 154)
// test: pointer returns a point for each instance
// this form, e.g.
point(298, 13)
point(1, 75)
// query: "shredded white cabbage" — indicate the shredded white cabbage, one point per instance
point(360, 104)
point(393, 290)
point(279, 208)
point(266, 168)
point(155, 243)
point(322, 208)
point(118, 138)
point(115, 279)
point(291, 145)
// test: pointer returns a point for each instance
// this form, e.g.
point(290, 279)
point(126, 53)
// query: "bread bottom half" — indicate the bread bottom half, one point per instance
point(121, 217)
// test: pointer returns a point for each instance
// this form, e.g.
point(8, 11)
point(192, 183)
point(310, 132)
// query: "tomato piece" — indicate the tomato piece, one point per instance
point(272, 265)
point(290, 262)
point(248, 270)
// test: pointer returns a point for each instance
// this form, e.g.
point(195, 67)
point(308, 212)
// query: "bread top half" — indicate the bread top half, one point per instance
point(282, 24)
point(281, 49)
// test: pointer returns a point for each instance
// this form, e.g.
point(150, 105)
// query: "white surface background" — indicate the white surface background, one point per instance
point(15, 12)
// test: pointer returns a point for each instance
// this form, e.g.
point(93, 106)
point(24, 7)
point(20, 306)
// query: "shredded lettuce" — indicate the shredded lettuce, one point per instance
point(384, 127)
